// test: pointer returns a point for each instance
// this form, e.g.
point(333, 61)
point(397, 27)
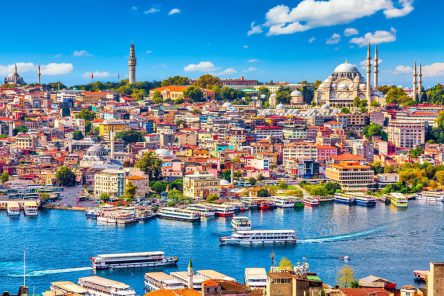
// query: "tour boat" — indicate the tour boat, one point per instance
point(144, 215)
point(126, 217)
point(266, 205)
point(260, 237)
point(117, 216)
point(178, 214)
point(398, 200)
point(365, 200)
point(206, 211)
point(241, 223)
point(131, 260)
point(224, 210)
point(431, 196)
point(237, 206)
point(13, 209)
point(344, 198)
point(284, 201)
point(99, 286)
point(91, 214)
point(30, 208)
point(311, 201)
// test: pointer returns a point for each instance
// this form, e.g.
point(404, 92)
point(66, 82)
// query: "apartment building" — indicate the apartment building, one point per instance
point(406, 134)
point(200, 185)
point(351, 175)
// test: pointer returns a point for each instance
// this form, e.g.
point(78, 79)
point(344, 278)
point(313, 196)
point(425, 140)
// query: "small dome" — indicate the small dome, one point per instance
point(224, 182)
point(346, 68)
point(96, 150)
point(280, 106)
point(272, 96)
point(296, 93)
point(325, 106)
point(163, 153)
point(227, 104)
point(362, 86)
point(342, 86)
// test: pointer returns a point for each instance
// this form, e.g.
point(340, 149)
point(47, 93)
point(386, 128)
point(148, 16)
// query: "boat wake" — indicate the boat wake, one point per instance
point(38, 273)
point(341, 237)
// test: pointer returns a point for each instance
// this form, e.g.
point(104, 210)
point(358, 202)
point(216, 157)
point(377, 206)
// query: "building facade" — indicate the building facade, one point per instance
point(200, 185)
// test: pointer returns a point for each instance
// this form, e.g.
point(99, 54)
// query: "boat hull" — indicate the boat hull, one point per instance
point(344, 201)
point(366, 203)
point(178, 218)
point(168, 262)
point(256, 242)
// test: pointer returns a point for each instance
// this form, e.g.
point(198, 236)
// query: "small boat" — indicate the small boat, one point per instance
point(266, 205)
point(241, 223)
point(237, 206)
point(344, 198)
point(431, 196)
point(91, 214)
point(205, 210)
point(144, 215)
point(311, 201)
point(223, 210)
point(398, 200)
point(178, 214)
point(13, 209)
point(284, 201)
point(344, 258)
point(30, 208)
point(260, 237)
point(299, 203)
point(365, 200)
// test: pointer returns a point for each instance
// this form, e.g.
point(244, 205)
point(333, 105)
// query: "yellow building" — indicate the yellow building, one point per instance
point(115, 126)
point(200, 185)
point(111, 182)
point(25, 141)
point(352, 175)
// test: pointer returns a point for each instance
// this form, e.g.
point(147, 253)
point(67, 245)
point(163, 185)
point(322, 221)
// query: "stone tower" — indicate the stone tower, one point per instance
point(376, 70)
point(132, 64)
point(414, 82)
point(39, 74)
point(190, 275)
point(368, 92)
point(419, 82)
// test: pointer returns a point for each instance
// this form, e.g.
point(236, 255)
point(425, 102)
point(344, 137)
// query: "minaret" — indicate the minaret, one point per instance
point(190, 274)
point(414, 82)
point(15, 68)
point(376, 71)
point(38, 75)
point(368, 92)
point(419, 82)
point(112, 145)
point(232, 173)
point(132, 64)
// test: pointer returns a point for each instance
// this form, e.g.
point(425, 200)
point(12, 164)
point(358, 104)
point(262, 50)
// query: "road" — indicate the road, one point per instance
point(68, 198)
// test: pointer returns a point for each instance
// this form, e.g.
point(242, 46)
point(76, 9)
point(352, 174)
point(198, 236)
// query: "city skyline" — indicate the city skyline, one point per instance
point(272, 40)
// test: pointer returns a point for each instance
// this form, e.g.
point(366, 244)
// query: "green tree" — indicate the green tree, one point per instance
point(175, 80)
point(264, 91)
point(20, 129)
point(282, 185)
point(396, 95)
point(373, 129)
point(194, 93)
point(207, 81)
point(345, 110)
point(130, 191)
point(77, 135)
point(211, 198)
point(260, 177)
point(65, 176)
point(104, 197)
point(86, 114)
point(159, 186)
point(4, 177)
point(435, 95)
point(175, 196)
point(252, 181)
point(150, 164)
point(226, 175)
point(283, 95)
point(263, 193)
point(345, 277)
point(157, 98)
point(138, 94)
point(131, 136)
point(416, 152)
point(285, 264)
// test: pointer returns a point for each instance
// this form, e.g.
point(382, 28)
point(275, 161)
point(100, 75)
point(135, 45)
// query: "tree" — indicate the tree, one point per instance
point(260, 177)
point(264, 91)
point(175, 80)
point(375, 104)
point(207, 81)
point(396, 95)
point(20, 129)
point(194, 93)
point(131, 136)
point(373, 129)
point(416, 152)
point(345, 277)
point(226, 175)
point(65, 176)
point(130, 191)
point(211, 198)
point(138, 94)
point(285, 264)
point(4, 177)
point(252, 181)
point(263, 193)
point(77, 135)
point(104, 197)
point(157, 98)
point(282, 185)
point(150, 164)
point(345, 110)
point(283, 95)
point(159, 186)
point(439, 176)
point(435, 95)
point(86, 114)
point(175, 196)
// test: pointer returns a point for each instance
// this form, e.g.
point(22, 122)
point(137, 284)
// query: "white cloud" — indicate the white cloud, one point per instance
point(312, 39)
point(350, 32)
point(432, 70)
point(334, 39)
point(254, 29)
point(250, 69)
point(204, 66)
point(174, 11)
point(151, 11)
point(81, 53)
point(96, 74)
point(405, 8)
point(253, 60)
point(309, 14)
point(228, 71)
point(49, 69)
point(375, 38)
point(56, 68)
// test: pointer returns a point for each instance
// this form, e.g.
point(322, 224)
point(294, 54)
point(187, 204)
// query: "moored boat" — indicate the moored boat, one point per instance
point(365, 200)
point(178, 214)
point(13, 209)
point(344, 198)
point(431, 196)
point(311, 201)
point(266, 205)
point(241, 223)
point(398, 200)
point(91, 214)
point(224, 210)
point(299, 203)
point(131, 260)
point(205, 210)
point(30, 208)
point(284, 201)
point(260, 237)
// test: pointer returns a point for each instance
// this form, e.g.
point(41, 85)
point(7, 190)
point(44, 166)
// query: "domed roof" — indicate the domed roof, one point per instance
point(224, 182)
point(346, 68)
point(272, 96)
point(163, 153)
point(227, 104)
point(96, 150)
point(280, 106)
point(342, 86)
point(296, 93)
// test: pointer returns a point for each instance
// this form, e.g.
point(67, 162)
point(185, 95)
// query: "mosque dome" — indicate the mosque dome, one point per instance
point(342, 86)
point(346, 68)
point(163, 153)
point(224, 182)
point(227, 104)
point(280, 106)
point(97, 150)
point(296, 93)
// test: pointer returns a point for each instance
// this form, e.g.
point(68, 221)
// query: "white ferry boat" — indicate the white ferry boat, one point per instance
point(206, 211)
point(431, 196)
point(98, 286)
point(344, 198)
point(131, 260)
point(241, 223)
point(224, 210)
point(260, 237)
point(284, 201)
point(160, 280)
point(178, 214)
point(13, 209)
point(117, 216)
point(31, 208)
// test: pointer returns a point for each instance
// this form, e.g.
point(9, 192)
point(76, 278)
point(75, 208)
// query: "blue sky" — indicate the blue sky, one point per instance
point(259, 39)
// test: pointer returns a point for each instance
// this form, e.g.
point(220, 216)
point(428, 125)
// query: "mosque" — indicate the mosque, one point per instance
point(14, 78)
point(346, 83)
